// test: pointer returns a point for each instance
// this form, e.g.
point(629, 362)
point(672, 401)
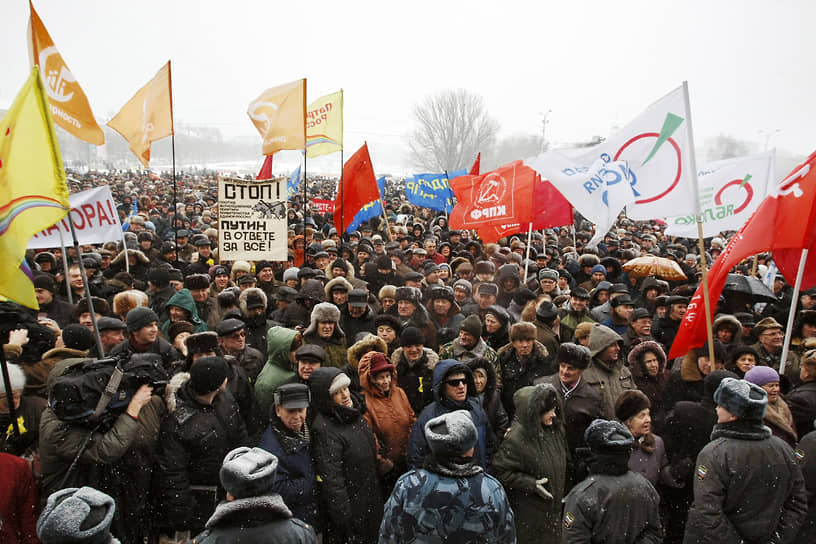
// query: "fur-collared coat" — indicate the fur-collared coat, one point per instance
point(416, 379)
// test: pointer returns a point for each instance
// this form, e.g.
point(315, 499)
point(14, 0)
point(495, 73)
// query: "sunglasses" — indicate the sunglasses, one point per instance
point(456, 383)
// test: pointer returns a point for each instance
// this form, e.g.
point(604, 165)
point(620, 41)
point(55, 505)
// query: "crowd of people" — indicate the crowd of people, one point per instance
point(404, 382)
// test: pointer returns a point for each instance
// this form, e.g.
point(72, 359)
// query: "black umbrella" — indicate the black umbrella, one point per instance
point(750, 286)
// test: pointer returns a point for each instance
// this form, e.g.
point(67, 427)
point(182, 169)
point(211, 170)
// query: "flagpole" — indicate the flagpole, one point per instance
point(385, 219)
point(527, 252)
point(173, 153)
point(88, 296)
point(9, 394)
point(124, 246)
point(692, 163)
point(65, 264)
point(305, 197)
point(792, 311)
point(340, 194)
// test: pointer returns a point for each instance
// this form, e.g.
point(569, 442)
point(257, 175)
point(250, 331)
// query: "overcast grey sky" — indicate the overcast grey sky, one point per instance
point(595, 64)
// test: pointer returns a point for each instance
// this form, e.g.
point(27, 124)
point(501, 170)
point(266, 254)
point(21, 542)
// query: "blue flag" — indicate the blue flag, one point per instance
point(432, 190)
point(292, 184)
point(370, 210)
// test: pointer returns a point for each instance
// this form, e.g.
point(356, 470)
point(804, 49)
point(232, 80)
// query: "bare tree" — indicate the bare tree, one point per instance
point(451, 128)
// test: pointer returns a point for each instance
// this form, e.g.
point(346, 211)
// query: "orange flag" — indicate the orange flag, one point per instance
point(69, 105)
point(279, 114)
point(148, 116)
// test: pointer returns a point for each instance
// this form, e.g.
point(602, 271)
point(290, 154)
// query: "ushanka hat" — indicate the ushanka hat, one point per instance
point(451, 434)
point(742, 399)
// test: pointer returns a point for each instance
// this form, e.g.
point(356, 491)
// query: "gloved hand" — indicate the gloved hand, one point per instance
point(541, 491)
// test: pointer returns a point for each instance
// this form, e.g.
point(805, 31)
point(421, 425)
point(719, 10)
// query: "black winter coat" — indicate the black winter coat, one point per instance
point(748, 488)
point(194, 440)
point(515, 374)
point(802, 403)
point(345, 453)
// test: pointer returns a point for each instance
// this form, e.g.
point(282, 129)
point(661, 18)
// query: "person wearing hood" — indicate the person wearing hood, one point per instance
point(606, 373)
point(207, 306)
point(253, 304)
point(531, 464)
point(182, 307)
point(748, 485)
point(496, 330)
point(360, 351)
point(728, 330)
point(203, 425)
point(647, 362)
point(453, 389)
point(389, 414)
point(487, 390)
point(451, 498)
point(288, 437)
point(469, 345)
point(445, 313)
point(310, 295)
point(282, 343)
point(253, 511)
point(613, 504)
point(325, 331)
point(508, 280)
point(345, 454)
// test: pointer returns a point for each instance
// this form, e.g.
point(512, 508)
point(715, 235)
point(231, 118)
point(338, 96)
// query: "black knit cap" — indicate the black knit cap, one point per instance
point(412, 336)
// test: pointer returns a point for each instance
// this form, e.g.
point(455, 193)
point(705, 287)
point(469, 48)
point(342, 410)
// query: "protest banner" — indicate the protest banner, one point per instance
point(322, 206)
point(252, 220)
point(95, 219)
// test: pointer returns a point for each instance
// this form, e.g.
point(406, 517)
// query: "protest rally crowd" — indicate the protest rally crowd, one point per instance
point(402, 383)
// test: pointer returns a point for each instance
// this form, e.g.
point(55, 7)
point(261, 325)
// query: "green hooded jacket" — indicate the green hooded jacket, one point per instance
point(184, 299)
point(278, 367)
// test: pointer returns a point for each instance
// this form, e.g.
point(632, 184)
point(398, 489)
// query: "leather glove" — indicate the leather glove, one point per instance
point(541, 491)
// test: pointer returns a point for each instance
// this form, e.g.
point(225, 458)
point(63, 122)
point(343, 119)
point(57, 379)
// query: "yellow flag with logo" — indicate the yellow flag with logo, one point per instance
point(324, 125)
point(33, 192)
point(69, 105)
point(279, 114)
point(148, 116)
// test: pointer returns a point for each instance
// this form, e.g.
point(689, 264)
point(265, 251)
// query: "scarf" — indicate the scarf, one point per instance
point(779, 415)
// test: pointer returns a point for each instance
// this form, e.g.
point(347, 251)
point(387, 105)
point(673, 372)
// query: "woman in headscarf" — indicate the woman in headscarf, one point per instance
point(531, 464)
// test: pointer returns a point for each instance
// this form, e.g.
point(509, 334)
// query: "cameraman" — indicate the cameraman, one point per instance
point(117, 459)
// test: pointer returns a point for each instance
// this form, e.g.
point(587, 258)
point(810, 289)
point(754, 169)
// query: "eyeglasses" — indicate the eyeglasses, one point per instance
point(456, 383)
point(237, 335)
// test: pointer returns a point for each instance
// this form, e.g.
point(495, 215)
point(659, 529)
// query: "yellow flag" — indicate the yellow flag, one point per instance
point(279, 114)
point(324, 125)
point(148, 116)
point(69, 105)
point(33, 192)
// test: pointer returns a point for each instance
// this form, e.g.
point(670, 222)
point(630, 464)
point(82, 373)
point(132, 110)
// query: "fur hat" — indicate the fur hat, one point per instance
point(601, 337)
point(207, 374)
point(608, 437)
point(547, 273)
point(485, 267)
point(761, 375)
point(412, 336)
point(44, 280)
point(197, 281)
point(17, 378)
point(546, 311)
point(76, 515)
point(252, 298)
point(100, 305)
point(582, 330)
point(140, 317)
point(202, 342)
point(248, 472)
point(574, 354)
point(411, 294)
point(387, 291)
point(522, 330)
point(472, 325)
point(649, 346)
point(125, 301)
point(742, 399)
point(325, 312)
point(388, 320)
point(630, 403)
point(177, 328)
point(367, 343)
point(338, 383)
point(451, 434)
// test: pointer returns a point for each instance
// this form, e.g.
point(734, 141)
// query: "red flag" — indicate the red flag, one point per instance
point(357, 188)
point(474, 170)
point(266, 169)
point(501, 197)
point(777, 225)
point(551, 208)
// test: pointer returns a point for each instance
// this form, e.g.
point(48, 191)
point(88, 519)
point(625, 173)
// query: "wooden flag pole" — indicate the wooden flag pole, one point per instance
point(385, 219)
point(341, 230)
point(173, 154)
point(527, 252)
point(65, 263)
point(692, 162)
